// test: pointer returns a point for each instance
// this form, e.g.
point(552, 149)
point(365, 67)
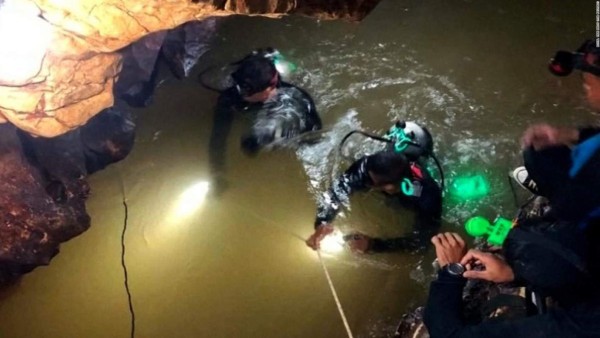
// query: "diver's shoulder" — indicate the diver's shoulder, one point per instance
point(292, 88)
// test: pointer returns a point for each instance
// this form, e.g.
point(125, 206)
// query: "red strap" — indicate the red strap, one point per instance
point(416, 171)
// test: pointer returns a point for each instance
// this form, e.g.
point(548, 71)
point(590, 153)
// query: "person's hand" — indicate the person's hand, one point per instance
point(321, 231)
point(495, 269)
point(541, 136)
point(449, 248)
point(358, 242)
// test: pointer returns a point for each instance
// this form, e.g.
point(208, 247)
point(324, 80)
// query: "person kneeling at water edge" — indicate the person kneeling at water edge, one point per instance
point(393, 174)
point(549, 258)
point(563, 163)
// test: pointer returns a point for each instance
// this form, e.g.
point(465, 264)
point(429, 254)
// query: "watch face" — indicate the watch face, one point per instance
point(456, 269)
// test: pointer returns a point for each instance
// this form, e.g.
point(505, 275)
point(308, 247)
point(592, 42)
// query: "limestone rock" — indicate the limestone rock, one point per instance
point(61, 71)
point(43, 186)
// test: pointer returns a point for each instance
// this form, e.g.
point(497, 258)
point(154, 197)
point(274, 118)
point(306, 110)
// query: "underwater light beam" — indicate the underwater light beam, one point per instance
point(191, 199)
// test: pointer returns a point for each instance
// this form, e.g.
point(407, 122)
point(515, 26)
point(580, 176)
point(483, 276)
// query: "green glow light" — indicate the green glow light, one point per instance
point(496, 233)
point(284, 66)
point(469, 187)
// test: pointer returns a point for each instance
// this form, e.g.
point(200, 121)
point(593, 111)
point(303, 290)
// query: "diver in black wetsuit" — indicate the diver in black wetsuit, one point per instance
point(396, 176)
point(280, 111)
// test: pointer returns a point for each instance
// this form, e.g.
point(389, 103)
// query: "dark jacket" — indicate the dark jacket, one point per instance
point(579, 197)
point(569, 177)
point(290, 113)
point(550, 258)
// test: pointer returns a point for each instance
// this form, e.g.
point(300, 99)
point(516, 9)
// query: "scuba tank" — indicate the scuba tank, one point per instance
point(408, 138)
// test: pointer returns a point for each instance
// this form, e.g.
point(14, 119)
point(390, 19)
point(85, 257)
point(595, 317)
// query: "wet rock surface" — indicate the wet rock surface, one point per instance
point(43, 187)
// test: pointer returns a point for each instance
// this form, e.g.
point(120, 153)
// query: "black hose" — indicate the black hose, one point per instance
point(439, 166)
point(367, 134)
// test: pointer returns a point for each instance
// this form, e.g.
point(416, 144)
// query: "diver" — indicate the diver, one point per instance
point(279, 110)
point(400, 174)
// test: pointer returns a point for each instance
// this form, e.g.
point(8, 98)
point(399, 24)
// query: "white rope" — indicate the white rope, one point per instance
point(337, 300)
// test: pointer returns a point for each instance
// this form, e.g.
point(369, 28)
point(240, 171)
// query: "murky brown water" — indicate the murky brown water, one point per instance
point(234, 266)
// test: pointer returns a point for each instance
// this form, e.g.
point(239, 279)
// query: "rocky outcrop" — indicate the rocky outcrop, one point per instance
point(43, 186)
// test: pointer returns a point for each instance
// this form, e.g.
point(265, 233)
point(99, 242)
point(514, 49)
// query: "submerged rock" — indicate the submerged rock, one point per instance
point(34, 217)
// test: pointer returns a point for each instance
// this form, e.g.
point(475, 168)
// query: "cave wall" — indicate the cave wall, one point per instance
point(71, 74)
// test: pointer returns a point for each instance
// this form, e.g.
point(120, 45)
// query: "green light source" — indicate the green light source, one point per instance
point(469, 187)
point(284, 67)
point(496, 233)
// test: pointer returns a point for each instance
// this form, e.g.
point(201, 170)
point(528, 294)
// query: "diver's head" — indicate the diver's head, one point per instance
point(587, 59)
point(386, 170)
point(256, 78)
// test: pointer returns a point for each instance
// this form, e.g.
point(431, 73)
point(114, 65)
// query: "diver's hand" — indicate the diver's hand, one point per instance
point(449, 248)
point(321, 231)
point(495, 269)
point(541, 136)
point(358, 242)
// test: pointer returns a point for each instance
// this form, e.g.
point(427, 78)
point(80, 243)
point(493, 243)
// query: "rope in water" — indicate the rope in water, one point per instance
point(123, 264)
point(335, 297)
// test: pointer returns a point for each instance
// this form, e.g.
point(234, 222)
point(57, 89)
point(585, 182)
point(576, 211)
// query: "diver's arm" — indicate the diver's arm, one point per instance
point(353, 179)
point(405, 243)
point(427, 222)
point(222, 121)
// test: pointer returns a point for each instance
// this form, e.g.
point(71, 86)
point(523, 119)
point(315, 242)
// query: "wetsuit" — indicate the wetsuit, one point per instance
point(428, 204)
point(289, 113)
point(550, 259)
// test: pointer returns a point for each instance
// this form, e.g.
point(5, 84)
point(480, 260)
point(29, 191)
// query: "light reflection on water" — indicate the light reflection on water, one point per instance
point(189, 201)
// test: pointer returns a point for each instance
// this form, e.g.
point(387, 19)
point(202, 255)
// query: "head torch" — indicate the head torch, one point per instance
point(563, 62)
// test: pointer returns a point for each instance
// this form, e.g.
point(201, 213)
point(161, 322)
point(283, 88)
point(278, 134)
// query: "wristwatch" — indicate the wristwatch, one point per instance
point(455, 269)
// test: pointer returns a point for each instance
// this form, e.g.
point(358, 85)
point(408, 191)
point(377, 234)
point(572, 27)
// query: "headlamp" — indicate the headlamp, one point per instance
point(563, 62)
